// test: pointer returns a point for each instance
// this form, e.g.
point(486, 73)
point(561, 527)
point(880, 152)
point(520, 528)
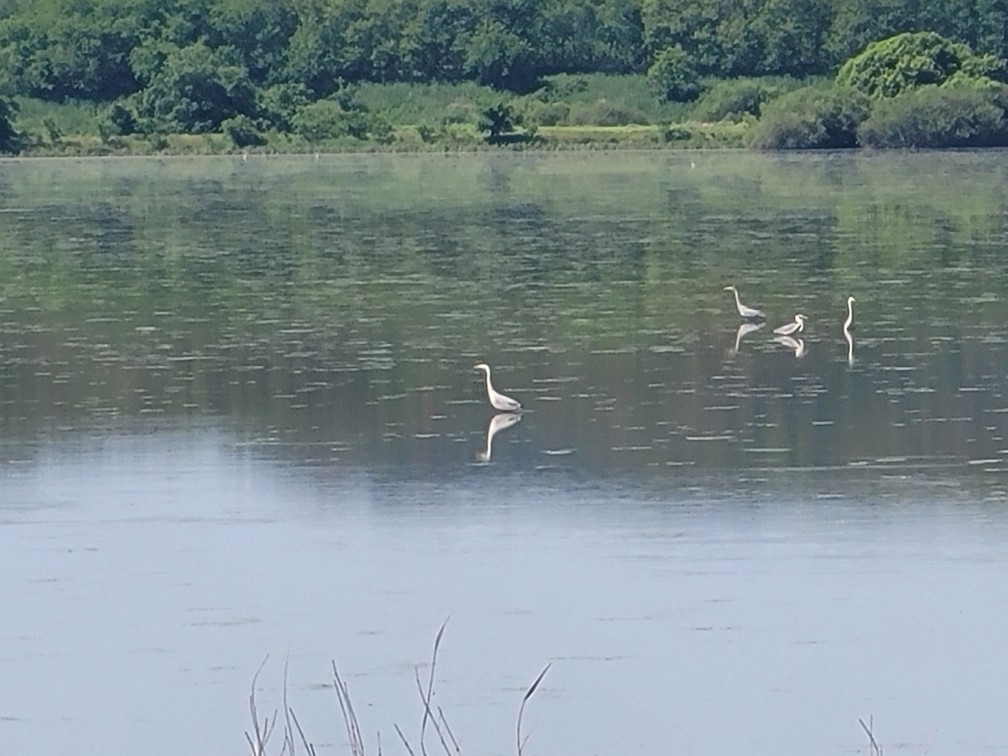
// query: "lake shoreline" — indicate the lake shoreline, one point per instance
point(409, 140)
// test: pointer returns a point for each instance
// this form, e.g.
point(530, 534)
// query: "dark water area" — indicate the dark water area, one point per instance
point(239, 418)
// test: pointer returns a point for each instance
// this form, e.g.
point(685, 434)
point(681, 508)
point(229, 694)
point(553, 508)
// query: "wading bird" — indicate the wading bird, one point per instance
point(498, 423)
point(795, 326)
point(497, 400)
point(744, 310)
point(849, 323)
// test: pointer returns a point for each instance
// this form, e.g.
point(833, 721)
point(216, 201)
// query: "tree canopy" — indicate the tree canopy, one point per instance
point(892, 66)
point(194, 65)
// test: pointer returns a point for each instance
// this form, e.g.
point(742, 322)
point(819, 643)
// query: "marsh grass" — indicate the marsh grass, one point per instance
point(873, 744)
point(567, 111)
point(434, 720)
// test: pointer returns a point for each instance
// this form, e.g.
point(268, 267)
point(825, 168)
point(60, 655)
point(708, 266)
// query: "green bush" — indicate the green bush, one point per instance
point(889, 67)
point(10, 139)
point(325, 120)
point(605, 113)
point(243, 131)
point(673, 77)
point(195, 89)
point(949, 116)
point(676, 134)
point(461, 111)
point(498, 120)
point(734, 99)
point(548, 113)
point(280, 102)
point(811, 118)
point(119, 120)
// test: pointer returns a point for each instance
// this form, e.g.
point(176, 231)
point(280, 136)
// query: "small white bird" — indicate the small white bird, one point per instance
point(850, 314)
point(744, 310)
point(497, 400)
point(795, 326)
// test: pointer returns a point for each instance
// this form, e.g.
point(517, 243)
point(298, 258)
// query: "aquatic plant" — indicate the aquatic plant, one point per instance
point(295, 739)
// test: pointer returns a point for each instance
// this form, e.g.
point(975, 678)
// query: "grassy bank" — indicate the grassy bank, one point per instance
point(594, 111)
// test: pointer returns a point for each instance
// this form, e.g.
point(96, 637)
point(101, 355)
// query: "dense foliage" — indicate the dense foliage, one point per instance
point(891, 66)
point(9, 137)
point(812, 118)
point(252, 68)
point(736, 99)
point(958, 115)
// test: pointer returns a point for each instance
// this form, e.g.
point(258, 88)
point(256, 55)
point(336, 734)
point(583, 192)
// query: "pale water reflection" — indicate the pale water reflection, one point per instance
point(500, 421)
point(238, 417)
point(151, 574)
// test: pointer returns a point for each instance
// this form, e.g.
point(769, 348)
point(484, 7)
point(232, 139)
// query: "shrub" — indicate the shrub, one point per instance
point(498, 120)
point(605, 113)
point(673, 77)
point(950, 116)
point(119, 120)
point(891, 66)
point(195, 89)
point(461, 111)
point(548, 113)
point(736, 98)
point(243, 131)
point(676, 134)
point(10, 139)
point(280, 102)
point(327, 119)
point(811, 118)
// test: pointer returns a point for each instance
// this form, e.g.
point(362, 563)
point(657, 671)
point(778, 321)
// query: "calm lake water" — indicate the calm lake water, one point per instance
point(239, 421)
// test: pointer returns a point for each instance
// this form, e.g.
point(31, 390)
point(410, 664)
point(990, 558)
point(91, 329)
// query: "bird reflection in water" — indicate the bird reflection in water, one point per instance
point(795, 345)
point(498, 422)
point(743, 330)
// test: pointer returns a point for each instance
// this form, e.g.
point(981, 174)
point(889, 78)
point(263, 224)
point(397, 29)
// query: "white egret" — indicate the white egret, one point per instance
point(744, 310)
point(795, 326)
point(498, 422)
point(850, 314)
point(497, 400)
point(850, 347)
point(795, 345)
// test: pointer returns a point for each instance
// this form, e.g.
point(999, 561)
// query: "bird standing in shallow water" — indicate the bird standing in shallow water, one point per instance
point(795, 326)
point(744, 310)
point(497, 400)
point(849, 323)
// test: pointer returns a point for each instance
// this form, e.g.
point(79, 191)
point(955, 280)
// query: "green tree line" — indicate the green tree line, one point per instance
point(244, 65)
point(106, 49)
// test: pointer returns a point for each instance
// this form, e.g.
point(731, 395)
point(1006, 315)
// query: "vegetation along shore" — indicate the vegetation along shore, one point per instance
point(198, 76)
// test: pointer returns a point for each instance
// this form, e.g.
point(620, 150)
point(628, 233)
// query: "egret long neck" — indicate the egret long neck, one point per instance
point(850, 315)
point(738, 302)
point(490, 390)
